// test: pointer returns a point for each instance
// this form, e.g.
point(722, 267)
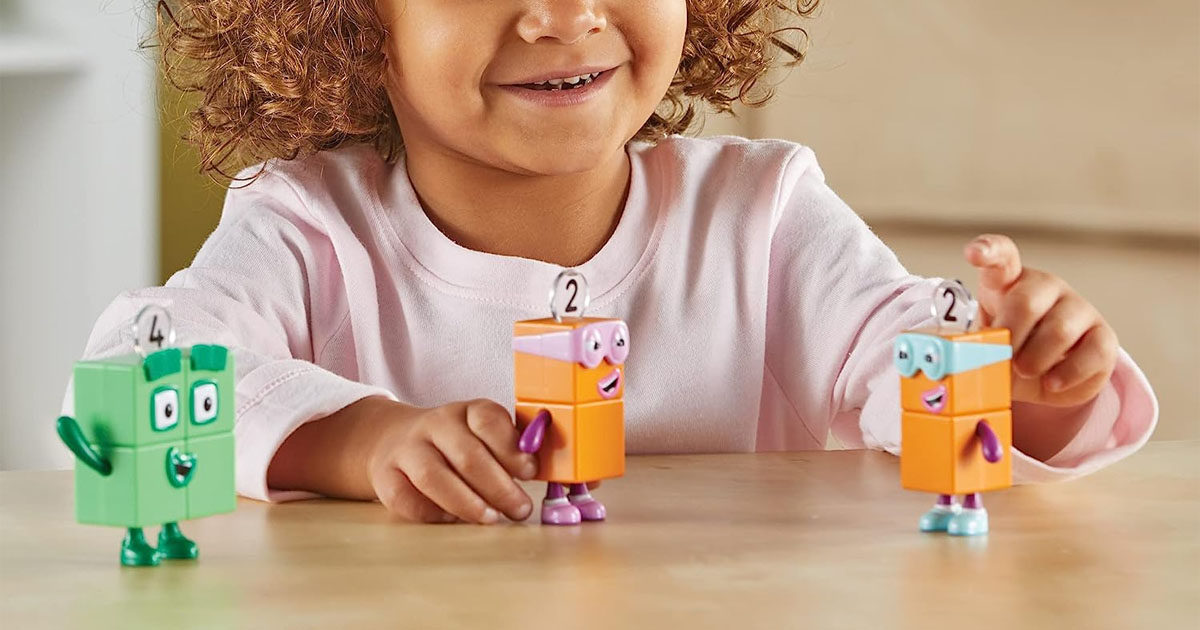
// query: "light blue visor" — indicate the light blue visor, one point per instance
point(937, 357)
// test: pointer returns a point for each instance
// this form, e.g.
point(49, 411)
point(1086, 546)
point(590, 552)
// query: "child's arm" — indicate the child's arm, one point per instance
point(837, 299)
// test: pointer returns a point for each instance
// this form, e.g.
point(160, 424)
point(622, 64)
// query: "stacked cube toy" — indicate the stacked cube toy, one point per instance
point(570, 385)
point(956, 422)
point(153, 437)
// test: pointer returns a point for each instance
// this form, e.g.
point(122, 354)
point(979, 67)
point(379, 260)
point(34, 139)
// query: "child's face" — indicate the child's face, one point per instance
point(461, 72)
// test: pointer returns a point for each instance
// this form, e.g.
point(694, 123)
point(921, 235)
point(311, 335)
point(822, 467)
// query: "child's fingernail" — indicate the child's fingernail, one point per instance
point(523, 511)
point(529, 468)
point(490, 516)
point(982, 245)
point(1054, 384)
point(448, 517)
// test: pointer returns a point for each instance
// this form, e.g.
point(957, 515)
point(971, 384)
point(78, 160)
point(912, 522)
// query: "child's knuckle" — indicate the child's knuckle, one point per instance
point(422, 474)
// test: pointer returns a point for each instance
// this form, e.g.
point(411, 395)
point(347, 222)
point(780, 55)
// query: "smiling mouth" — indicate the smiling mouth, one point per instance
point(180, 467)
point(569, 83)
point(934, 399)
point(610, 385)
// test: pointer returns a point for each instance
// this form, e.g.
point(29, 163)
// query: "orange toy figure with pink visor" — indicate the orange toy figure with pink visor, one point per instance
point(570, 383)
point(956, 423)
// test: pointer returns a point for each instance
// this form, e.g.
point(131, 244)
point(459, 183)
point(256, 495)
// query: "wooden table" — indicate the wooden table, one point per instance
point(812, 540)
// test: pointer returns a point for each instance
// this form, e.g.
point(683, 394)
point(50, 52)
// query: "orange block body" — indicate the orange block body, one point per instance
point(583, 443)
point(585, 440)
point(939, 451)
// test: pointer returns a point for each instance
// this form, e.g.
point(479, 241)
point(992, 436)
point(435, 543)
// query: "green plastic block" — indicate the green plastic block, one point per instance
point(116, 405)
point(210, 393)
point(212, 491)
point(137, 493)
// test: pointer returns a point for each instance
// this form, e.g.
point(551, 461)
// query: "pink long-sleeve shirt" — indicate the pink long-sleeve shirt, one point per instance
point(761, 308)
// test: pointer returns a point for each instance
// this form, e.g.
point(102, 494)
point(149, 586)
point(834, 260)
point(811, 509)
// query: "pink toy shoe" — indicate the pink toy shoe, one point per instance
point(560, 512)
point(589, 508)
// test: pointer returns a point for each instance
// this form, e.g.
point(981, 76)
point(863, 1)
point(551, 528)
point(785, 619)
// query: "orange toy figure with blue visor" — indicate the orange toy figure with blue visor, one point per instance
point(570, 383)
point(956, 424)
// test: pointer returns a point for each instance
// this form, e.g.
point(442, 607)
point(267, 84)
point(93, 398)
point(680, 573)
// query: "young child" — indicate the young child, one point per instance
point(439, 162)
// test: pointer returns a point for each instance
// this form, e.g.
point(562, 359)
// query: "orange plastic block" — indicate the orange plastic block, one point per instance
point(942, 454)
point(988, 388)
point(583, 442)
point(539, 378)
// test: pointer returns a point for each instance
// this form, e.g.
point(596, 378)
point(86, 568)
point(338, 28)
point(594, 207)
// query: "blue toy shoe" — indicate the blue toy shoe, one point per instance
point(937, 519)
point(968, 522)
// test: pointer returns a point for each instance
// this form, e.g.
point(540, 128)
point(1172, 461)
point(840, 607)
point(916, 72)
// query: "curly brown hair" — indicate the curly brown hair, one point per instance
point(287, 78)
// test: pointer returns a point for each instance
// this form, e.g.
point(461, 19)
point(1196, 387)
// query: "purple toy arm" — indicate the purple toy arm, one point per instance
point(531, 437)
point(992, 451)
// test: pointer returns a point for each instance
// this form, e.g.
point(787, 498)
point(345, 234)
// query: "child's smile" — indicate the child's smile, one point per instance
point(574, 89)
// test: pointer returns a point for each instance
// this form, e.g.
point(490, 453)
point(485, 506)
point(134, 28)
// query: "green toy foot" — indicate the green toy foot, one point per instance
point(174, 545)
point(937, 519)
point(136, 552)
point(969, 522)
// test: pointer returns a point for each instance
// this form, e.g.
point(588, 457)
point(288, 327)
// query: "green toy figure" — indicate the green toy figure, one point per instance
point(154, 440)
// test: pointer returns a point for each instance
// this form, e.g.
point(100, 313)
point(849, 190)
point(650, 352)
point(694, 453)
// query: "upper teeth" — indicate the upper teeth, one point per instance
point(570, 80)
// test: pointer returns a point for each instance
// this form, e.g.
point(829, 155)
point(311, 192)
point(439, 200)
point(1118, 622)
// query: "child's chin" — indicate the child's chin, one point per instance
point(549, 159)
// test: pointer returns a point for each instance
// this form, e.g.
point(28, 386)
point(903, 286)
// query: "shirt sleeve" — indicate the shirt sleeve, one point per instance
point(254, 287)
point(837, 298)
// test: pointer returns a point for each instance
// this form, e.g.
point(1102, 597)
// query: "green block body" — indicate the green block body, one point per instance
point(115, 410)
point(136, 494)
point(211, 490)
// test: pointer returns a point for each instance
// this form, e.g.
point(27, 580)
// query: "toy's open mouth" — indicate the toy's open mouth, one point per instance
point(610, 385)
point(180, 467)
point(934, 399)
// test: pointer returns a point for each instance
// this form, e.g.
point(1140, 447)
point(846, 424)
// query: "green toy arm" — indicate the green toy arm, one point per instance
point(72, 436)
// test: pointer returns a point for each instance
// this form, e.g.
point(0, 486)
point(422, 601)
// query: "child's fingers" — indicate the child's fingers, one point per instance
point(432, 476)
point(1025, 304)
point(1054, 335)
point(1092, 358)
point(997, 259)
point(491, 423)
point(400, 497)
point(476, 465)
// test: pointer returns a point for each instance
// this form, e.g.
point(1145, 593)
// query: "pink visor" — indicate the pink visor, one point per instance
point(608, 340)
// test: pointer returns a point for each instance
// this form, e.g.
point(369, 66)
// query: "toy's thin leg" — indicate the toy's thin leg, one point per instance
point(556, 509)
point(935, 520)
point(136, 552)
point(972, 520)
point(589, 508)
point(174, 545)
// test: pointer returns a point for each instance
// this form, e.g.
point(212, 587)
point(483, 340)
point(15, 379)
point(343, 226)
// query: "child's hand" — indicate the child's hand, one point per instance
point(1063, 350)
point(451, 462)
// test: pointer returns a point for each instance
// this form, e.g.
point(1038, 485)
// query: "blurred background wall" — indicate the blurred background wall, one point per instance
point(1073, 126)
point(78, 198)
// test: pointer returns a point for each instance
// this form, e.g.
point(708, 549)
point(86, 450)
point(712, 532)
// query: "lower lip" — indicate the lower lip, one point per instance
point(561, 98)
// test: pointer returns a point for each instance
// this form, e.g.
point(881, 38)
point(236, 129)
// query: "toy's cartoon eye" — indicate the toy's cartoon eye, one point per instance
point(165, 408)
point(619, 345)
point(204, 402)
point(931, 363)
point(593, 348)
point(903, 358)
